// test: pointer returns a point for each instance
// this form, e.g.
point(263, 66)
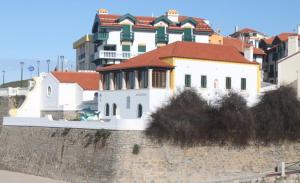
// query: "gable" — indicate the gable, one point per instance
point(189, 22)
point(162, 19)
point(127, 18)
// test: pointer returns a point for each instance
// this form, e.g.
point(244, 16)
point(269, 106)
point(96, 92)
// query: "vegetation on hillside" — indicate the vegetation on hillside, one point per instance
point(187, 120)
point(15, 84)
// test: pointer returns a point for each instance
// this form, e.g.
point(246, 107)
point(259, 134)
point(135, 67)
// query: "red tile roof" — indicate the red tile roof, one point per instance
point(181, 50)
point(87, 80)
point(144, 22)
point(238, 44)
point(269, 40)
point(285, 36)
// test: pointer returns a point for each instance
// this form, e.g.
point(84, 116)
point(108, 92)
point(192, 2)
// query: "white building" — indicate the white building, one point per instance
point(85, 53)
point(136, 87)
point(289, 67)
point(60, 94)
point(249, 35)
point(120, 37)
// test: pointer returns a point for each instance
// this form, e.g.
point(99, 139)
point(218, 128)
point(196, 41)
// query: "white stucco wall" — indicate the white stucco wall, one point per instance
point(289, 72)
point(217, 71)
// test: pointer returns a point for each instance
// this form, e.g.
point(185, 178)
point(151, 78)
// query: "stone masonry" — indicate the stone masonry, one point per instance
point(78, 155)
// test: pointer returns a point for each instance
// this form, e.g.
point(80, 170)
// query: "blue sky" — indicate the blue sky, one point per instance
point(34, 30)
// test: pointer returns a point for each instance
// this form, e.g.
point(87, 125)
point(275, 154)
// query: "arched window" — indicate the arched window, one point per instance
point(114, 109)
point(140, 111)
point(49, 91)
point(106, 109)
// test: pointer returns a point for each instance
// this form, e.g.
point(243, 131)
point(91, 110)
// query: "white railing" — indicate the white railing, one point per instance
point(123, 55)
point(13, 91)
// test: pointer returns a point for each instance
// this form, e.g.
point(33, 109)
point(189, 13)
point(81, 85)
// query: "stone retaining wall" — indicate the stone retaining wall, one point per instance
point(56, 115)
point(77, 155)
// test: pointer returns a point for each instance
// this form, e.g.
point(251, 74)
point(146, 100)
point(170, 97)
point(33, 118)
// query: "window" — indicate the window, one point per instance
point(110, 48)
point(106, 81)
point(114, 109)
point(159, 79)
point(187, 80)
point(128, 102)
point(126, 48)
point(140, 111)
point(49, 91)
point(118, 80)
point(141, 48)
point(106, 109)
point(203, 81)
point(243, 84)
point(188, 35)
point(271, 71)
point(143, 79)
point(228, 83)
point(130, 80)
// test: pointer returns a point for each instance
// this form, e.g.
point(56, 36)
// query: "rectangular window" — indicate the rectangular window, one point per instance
point(243, 84)
point(203, 81)
point(110, 48)
point(106, 81)
point(161, 31)
point(130, 80)
point(125, 47)
point(159, 79)
point(143, 79)
point(141, 48)
point(228, 83)
point(118, 80)
point(128, 102)
point(187, 80)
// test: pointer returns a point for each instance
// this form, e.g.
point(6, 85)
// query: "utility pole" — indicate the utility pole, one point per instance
point(38, 67)
point(3, 76)
point(48, 63)
point(22, 67)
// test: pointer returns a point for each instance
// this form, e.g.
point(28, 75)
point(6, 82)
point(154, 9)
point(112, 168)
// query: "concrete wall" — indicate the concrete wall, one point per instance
point(65, 155)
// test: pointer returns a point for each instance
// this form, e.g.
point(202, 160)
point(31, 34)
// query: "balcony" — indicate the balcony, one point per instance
point(100, 36)
point(127, 36)
point(188, 38)
point(116, 55)
point(162, 39)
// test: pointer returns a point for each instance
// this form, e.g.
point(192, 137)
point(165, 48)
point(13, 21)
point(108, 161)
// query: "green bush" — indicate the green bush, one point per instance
point(136, 149)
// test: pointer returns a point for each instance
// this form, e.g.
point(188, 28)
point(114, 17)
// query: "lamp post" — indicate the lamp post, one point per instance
point(48, 63)
point(3, 76)
point(22, 67)
point(38, 67)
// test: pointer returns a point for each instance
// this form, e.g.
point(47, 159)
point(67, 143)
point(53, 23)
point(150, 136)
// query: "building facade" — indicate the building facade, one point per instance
point(248, 35)
point(85, 53)
point(138, 86)
point(120, 37)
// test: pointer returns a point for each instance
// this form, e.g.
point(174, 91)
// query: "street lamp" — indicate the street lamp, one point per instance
point(38, 67)
point(3, 75)
point(48, 63)
point(22, 67)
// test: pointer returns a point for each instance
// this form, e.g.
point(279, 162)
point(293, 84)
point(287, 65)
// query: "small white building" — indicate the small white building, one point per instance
point(138, 86)
point(249, 35)
point(289, 67)
point(61, 94)
point(85, 53)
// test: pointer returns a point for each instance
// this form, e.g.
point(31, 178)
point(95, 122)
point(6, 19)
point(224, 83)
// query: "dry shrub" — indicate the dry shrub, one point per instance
point(182, 121)
point(232, 121)
point(277, 116)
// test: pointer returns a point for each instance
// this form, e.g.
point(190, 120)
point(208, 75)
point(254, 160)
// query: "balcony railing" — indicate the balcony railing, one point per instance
point(127, 36)
point(162, 39)
point(120, 55)
point(100, 36)
point(188, 38)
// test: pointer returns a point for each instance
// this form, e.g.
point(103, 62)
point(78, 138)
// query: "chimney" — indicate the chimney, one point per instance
point(102, 11)
point(173, 16)
point(236, 28)
point(298, 29)
point(292, 45)
point(248, 53)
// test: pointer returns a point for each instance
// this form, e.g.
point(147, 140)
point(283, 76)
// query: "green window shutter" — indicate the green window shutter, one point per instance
point(187, 80)
point(228, 83)
point(142, 48)
point(126, 29)
point(161, 31)
point(188, 32)
point(125, 47)
point(243, 84)
point(203, 81)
